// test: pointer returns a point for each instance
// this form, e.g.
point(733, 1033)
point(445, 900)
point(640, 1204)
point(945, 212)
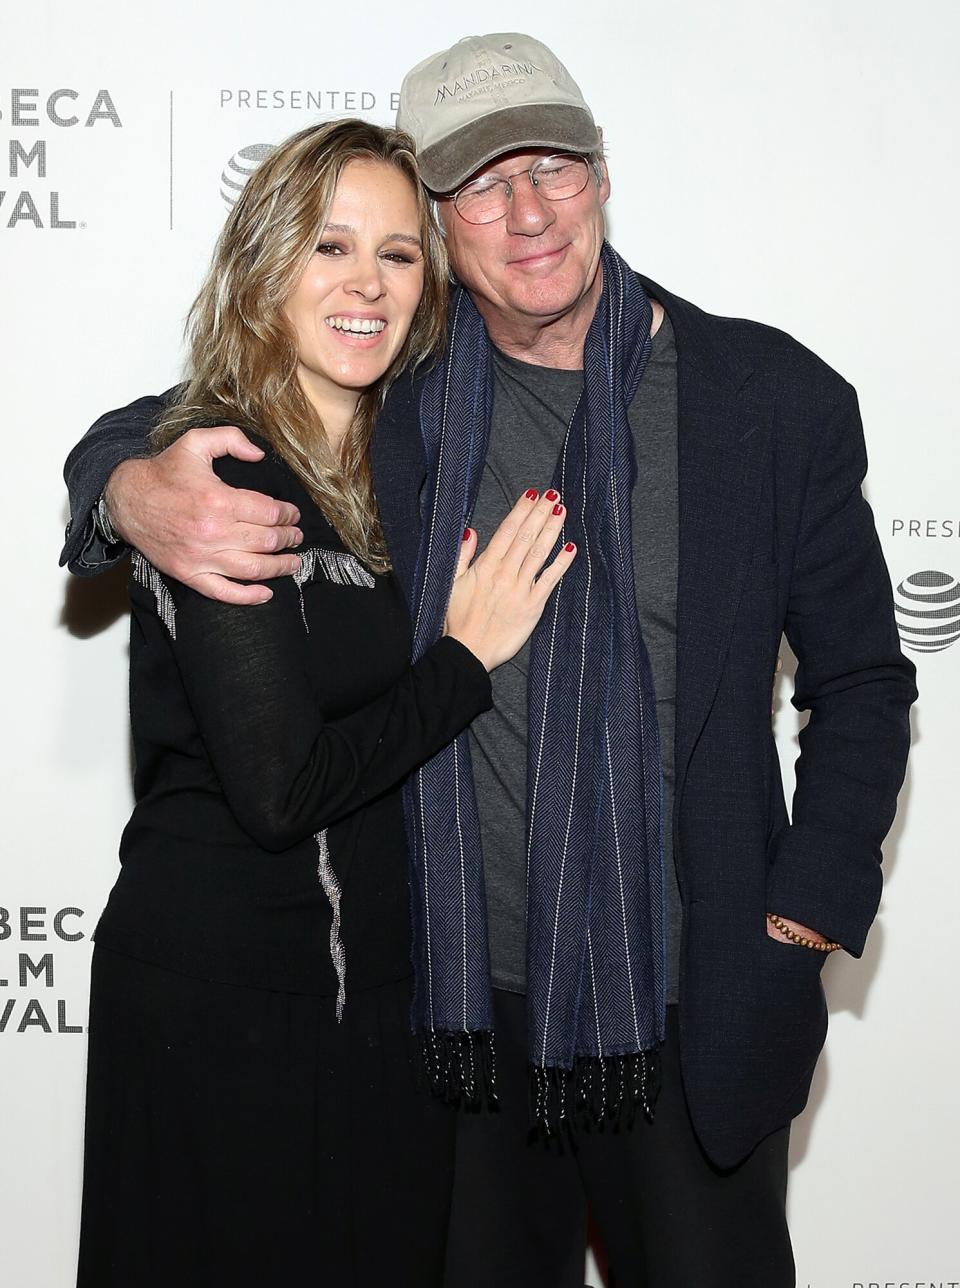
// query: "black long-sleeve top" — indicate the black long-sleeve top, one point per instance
point(267, 840)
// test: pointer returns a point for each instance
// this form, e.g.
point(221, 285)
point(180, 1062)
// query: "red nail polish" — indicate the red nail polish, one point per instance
point(552, 495)
point(569, 547)
point(466, 534)
point(558, 509)
point(532, 494)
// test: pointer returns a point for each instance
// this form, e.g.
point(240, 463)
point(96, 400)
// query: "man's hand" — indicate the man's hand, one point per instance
point(198, 529)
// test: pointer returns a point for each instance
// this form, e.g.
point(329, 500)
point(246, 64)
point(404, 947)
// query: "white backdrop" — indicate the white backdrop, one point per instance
point(793, 163)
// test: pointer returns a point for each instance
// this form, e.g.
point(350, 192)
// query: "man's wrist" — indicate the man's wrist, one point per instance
point(109, 511)
point(103, 524)
point(802, 935)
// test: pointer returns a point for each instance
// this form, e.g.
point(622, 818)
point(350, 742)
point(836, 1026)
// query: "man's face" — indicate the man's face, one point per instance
point(541, 258)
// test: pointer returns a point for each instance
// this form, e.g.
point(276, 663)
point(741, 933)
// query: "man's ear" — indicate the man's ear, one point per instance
point(603, 181)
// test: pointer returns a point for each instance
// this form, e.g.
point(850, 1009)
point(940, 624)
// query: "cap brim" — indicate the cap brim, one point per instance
point(445, 165)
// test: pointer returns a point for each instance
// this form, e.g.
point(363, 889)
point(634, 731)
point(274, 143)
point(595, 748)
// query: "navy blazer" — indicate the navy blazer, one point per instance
point(775, 537)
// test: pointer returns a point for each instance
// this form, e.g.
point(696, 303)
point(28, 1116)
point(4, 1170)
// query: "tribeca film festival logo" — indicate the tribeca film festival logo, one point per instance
point(25, 111)
point(33, 1006)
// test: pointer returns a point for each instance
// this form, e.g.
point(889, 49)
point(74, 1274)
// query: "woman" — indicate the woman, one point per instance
point(252, 1109)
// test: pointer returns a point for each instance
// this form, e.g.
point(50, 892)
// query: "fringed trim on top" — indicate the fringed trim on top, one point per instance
point(148, 577)
point(336, 566)
point(331, 888)
point(460, 1068)
point(596, 1090)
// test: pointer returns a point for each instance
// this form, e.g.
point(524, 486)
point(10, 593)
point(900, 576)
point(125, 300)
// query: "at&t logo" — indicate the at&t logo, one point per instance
point(239, 169)
point(927, 606)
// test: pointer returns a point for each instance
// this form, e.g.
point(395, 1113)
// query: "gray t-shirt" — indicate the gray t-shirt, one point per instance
point(532, 407)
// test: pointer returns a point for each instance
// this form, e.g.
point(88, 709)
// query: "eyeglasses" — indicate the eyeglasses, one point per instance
point(487, 199)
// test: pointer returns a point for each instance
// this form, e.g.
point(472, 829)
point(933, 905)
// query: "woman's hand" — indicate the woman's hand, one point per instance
point(498, 597)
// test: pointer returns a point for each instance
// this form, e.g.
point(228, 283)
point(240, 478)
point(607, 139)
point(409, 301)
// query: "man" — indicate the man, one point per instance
point(728, 510)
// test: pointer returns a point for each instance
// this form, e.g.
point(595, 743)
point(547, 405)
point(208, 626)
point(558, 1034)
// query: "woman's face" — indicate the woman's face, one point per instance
point(353, 306)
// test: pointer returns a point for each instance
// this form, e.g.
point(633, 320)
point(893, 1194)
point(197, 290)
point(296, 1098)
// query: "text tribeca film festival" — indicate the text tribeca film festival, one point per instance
point(32, 939)
point(38, 122)
point(32, 155)
point(34, 119)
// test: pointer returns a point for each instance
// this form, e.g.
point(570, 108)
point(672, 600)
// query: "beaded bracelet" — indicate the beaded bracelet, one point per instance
point(792, 935)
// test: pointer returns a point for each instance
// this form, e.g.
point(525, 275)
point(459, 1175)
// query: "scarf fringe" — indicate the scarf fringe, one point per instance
point(460, 1068)
point(596, 1091)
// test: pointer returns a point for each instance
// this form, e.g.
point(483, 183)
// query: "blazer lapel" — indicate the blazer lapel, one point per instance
point(396, 454)
point(725, 411)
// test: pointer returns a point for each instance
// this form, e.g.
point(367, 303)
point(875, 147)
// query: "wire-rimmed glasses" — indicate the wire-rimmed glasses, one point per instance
point(487, 199)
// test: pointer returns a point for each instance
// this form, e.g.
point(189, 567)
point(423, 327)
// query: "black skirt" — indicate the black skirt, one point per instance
point(243, 1137)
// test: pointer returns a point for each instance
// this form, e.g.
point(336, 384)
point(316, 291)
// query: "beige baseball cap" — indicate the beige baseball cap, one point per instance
point(487, 95)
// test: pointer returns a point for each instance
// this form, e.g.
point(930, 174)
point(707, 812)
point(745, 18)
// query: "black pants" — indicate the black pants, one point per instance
point(665, 1215)
point(242, 1137)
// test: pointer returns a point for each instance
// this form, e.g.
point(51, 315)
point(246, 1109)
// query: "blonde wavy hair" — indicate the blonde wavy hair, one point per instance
point(243, 357)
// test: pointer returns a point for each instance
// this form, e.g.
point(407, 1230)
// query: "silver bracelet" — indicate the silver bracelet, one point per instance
point(101, 522)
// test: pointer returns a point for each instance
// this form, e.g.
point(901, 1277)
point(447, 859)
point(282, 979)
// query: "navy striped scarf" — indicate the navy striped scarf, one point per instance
point(595, 938)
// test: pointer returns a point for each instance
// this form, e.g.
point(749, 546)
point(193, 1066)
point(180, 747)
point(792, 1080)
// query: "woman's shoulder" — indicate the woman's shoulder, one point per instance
point(271, 475)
